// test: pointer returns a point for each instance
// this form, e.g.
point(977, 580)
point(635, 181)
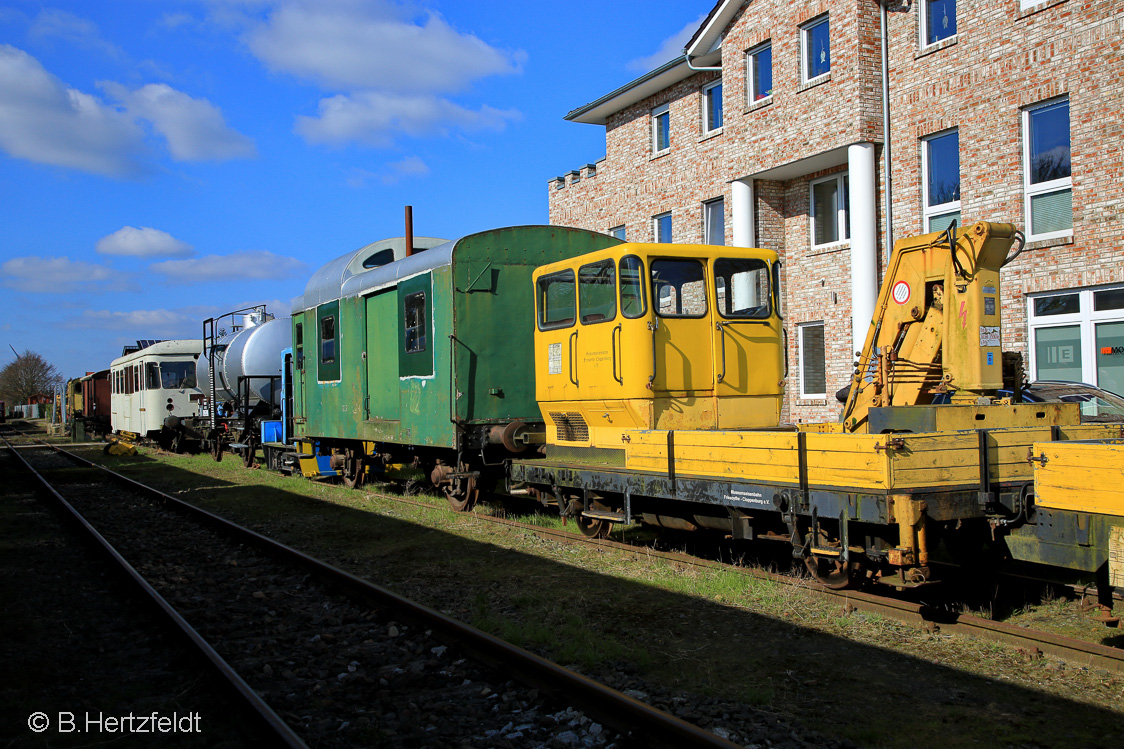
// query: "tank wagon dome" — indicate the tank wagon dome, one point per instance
point(326, 284)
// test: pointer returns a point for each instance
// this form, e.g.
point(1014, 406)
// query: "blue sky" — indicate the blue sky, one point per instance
point(163, 161)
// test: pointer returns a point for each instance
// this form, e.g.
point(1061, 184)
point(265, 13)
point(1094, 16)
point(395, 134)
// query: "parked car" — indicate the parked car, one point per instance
point(1097, 404)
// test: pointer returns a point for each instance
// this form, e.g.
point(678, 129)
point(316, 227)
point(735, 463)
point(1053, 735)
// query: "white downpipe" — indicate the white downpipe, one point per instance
point(743, 212)
point(864, 239)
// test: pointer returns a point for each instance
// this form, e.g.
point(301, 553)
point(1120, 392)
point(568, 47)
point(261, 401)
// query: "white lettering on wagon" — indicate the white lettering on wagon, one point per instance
point(751, 497)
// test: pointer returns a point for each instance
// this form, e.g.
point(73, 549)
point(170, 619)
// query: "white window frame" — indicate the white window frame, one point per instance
point(841, 212)
point(953, 206)
point(804, 394)
point(923, 24)
point(708, 206)
point(751, 67)
point(1044, 188)
point(618, 231)
point(656, 226)
point(805, 31)
point(664, 111)
point(705, 98)
point(1086, 319)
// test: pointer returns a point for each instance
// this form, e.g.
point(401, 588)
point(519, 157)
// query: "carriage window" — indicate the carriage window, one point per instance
point(328, 339)
point(177, 375)
point(555, 293)
point(741, 288)
point(597, 292)
point(632, 287)
point(415, 322)
point(137, 378)
point(679, 288)
point(152, 375)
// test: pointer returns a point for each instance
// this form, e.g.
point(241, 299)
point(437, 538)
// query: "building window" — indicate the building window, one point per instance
point(940, 180)
point(815, 48)
point(813, 361)
point(829, 207)
point(712, 107)
point(662, 227)
point(618, 232)
point(938, 21)
point(1078, 335)
point(714, 222)
point(1048, 182)
point(661, 129)
point(759, 69)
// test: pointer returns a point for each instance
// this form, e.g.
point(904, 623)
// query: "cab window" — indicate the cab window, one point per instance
point(597, 292)
point(555, 300)
point(679, 288)
point(632, 287)
point(741, 288)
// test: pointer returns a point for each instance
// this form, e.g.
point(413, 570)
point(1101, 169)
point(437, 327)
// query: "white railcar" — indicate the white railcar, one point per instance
point(149, 385)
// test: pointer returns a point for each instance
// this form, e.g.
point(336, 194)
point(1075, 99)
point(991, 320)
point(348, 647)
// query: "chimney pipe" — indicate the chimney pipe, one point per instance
point(409, 230)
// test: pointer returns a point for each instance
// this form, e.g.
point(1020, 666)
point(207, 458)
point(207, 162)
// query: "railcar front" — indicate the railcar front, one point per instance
point(149, 385)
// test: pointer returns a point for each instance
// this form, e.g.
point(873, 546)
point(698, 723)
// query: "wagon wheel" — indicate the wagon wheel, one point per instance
point(352, 473)
point(831, 572)
point(592, 527)
point(216, 445)
point(251, 451)
point(461, 493)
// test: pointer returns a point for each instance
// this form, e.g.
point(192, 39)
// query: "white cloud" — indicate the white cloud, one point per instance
point(254, 265)
point(348, 45)
point(44, 121)
point(375, 118)
point(150, 322)
point(194, 128)
point(670, 48)
point(144, 242)
point(57, 275)
point(52, 23)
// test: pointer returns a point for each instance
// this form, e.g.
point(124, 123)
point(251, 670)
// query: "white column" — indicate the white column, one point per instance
point(743, 212)
point(864, 239)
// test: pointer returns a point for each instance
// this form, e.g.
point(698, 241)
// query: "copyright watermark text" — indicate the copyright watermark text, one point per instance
point(66, 722)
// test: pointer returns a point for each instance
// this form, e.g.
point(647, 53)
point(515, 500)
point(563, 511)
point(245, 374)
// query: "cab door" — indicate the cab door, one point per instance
point(596, 361)
point(683, 335)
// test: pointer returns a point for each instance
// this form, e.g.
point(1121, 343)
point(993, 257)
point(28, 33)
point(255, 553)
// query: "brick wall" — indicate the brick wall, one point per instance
point(1002, 59)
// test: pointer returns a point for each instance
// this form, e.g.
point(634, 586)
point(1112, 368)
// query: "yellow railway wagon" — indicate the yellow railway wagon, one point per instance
point(866, 462)
point(1083, 476)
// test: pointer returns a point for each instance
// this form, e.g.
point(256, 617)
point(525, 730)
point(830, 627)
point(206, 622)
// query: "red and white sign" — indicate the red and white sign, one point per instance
point(900, 292)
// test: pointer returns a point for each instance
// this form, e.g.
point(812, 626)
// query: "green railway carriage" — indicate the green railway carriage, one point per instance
point(424, 365)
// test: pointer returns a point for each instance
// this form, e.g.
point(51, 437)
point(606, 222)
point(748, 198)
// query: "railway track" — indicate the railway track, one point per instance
point(923, 616)
point(323, 657)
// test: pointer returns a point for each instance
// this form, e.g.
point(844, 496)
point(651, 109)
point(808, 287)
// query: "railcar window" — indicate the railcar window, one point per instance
point(177, 375)
point(383, 257)
point(597, 292)
point(152, 375)
point(632, 287)
point(136, 378)
point(556, 305)
point(741, 288)
point(679, 288)
point(415, 322)
point(328, 340)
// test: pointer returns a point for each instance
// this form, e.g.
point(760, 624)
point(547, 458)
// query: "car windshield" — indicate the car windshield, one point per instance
point(1096, 404)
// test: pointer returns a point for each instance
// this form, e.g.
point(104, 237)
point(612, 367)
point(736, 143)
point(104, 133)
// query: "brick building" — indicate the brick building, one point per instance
point(769, 132)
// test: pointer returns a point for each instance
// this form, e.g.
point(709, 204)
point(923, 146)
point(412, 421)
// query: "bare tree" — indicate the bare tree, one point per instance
point(30, 374)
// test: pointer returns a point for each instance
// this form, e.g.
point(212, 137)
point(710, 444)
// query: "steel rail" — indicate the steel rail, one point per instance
point(273, 722)
point(609, 706)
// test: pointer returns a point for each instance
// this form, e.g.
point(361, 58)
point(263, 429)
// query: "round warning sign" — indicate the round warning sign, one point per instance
point(901, 292)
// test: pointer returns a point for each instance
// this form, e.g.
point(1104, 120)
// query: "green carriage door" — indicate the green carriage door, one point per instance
point(382, 366)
